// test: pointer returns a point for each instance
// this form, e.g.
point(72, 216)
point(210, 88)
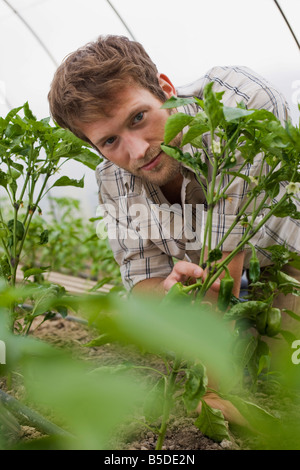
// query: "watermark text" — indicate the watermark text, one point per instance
point(2, 352)
point(2, 92)
point(151, 222)
point(296, 93)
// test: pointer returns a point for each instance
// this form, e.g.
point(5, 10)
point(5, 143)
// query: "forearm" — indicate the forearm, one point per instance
point(154, 285)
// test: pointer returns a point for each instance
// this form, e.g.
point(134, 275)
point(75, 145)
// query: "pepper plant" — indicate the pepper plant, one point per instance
point(233, 133)
point(32, 152)
point(73, 246)
point(236, 136)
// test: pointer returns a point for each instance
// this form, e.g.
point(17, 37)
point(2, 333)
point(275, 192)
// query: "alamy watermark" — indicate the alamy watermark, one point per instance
point(296, 93)
point(2, 352)
point(151, 222)
point(2, 92)
point(296, 354)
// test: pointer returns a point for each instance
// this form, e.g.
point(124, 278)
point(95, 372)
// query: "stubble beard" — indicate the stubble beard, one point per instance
point(167, 169)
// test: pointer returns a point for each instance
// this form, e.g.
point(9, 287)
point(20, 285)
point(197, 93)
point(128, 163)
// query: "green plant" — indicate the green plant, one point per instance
point(53, 383)
point(31, 153)
point(180, 333)
point(72, 406)
point(72, 245)
point(183, 331)
point(247, 133)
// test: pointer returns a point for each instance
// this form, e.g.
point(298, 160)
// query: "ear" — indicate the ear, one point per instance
point(166, 85)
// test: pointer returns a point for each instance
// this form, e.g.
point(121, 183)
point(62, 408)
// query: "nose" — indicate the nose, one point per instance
point(136, 146)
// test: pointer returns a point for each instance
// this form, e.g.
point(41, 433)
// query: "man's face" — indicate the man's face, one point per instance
point(131, 136)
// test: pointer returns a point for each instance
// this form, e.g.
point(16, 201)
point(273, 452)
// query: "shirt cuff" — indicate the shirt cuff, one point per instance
point(138, 270)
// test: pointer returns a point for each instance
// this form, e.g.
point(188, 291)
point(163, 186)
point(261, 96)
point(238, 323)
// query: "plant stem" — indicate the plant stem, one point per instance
point(169, 391)
point(210, 202)
point(29, 215)
point(30, 417)
point(210, 280)
point(14, 260)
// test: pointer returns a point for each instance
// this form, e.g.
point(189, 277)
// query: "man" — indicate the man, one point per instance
point(109, 93)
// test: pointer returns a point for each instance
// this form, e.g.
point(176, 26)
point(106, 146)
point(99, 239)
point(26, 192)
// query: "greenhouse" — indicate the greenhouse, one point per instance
point(149, 227)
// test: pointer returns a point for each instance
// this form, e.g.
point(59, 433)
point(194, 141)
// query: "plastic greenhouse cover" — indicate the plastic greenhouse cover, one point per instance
point(184, 39)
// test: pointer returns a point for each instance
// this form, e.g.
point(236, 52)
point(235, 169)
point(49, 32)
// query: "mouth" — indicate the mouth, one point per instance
point(153, 163)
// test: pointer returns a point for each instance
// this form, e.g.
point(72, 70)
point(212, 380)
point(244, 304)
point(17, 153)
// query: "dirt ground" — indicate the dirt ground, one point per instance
point(181, 433)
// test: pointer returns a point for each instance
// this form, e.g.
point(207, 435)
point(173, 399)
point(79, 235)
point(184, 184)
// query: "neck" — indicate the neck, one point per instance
point(172, 189)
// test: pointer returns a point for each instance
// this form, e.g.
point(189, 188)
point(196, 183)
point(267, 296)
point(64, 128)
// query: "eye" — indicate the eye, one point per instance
point(110, 141)
point(138, 117)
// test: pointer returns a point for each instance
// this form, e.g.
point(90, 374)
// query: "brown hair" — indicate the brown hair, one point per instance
point(84, 86)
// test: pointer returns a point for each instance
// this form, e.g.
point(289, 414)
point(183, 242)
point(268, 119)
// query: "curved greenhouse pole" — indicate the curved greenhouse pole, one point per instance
point(34, 34)
point(288, 24)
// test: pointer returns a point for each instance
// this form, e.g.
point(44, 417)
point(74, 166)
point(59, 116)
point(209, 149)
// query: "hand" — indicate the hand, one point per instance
point(184, 270)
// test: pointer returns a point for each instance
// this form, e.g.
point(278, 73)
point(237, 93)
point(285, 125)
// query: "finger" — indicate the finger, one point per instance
point(216, 285)
point(168, 283)
point(185, 269)
point(182, 271)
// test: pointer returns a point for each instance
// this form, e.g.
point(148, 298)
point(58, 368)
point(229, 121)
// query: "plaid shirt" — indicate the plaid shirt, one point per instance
point(146, 233)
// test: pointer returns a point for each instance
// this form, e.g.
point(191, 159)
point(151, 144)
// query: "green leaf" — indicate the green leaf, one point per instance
point(258, 418)
point(44, 237)
point(3, 179)
point(288, 336)
point(186, 158)
point(177, 294)
point(17, 166)
point(211, 423)
point(28, 113)
point(12, 113)
point(175, 124)
point(89, 159)
point(99, 341)
point(154, 403)
point(13, 186)
point(100, 284)
point(233, 114)
point(291, 314)
point(287, 208)
point(15, 174)
point(66, 181)
point(175, 102)
point(173, 152)
point(247, 309)
point(213, 106)
point(240, 175)
point(195, 386)
point(283, 278)
point(230, 162)
point(257, 360)
point(4, 268)
point(47, 296)
point(245, 349)
point(20, 230)
point(281, 255)
point(35, 271)
point(196, 130)
point(215, 255)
